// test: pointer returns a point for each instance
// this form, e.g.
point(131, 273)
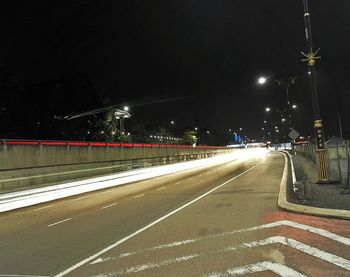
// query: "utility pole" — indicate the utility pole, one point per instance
point(310, 58)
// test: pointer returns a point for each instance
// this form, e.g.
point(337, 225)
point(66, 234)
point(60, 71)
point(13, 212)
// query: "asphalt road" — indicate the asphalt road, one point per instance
point(217, 221)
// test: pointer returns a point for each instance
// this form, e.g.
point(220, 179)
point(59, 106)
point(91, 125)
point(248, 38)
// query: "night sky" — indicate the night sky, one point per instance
point(208, 52)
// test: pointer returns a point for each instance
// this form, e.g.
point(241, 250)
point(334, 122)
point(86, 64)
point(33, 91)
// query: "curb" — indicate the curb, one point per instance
point(284, 204)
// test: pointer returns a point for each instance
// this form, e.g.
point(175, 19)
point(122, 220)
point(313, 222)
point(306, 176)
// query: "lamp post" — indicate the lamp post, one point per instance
point(310, 58)
point(120, 115)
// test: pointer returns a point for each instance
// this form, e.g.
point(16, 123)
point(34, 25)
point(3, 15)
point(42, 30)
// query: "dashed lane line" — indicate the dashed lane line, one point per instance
point(110, 205)
point(161, 188)
point(138, 196)
point(41, 208)
point(59, 222)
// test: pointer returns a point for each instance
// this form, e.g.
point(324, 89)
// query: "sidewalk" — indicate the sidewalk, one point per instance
point(307, 192)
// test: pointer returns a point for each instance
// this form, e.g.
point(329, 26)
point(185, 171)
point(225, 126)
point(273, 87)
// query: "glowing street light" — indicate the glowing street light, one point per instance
point(126, 108)
point(262, 80)
point(294, 106)
point(267, 109)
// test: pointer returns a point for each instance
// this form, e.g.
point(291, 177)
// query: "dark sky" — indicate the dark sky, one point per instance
point(209, 51)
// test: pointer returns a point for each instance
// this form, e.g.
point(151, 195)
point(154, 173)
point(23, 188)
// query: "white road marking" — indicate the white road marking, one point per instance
point(64, 220)
point(161, 188)
point(313, 251)
point(42, 208)
point(92, 257)
point(178, 182)
point(276, 268)
point(15, 275)
point(110, 205)
point(137, 196)
point(318, 231)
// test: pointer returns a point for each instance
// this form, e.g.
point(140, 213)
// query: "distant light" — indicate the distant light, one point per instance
point(208, 132)
point(240, 129)
point(172, 122)
point(113, 133)
point(261, 80)
point(229, 130)
point(128, 134)
point(309, 73)
point(196, 128)
point(283, 119)
point(267, 109)
point(265, 121)
point(126, 108)
point(277, 131)
point(263, 129)
point(294, 106)
point(102, 132)
point(88, 132)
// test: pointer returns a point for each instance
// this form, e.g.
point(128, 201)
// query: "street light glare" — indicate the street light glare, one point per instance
point(126, 108)
point(261, 80)
point(267, 109)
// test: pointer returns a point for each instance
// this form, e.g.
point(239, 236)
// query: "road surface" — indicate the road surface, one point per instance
point(216, 221)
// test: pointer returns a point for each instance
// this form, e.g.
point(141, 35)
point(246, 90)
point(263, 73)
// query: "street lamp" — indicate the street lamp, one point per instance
point(262, 80)
point(267, 109)
point(311, 58)
point(121, 115)
point(126, 108)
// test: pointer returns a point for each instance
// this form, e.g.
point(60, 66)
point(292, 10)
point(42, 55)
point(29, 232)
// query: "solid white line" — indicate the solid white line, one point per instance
point(110, 205)
point(276, 268)
point(64, 220)
point(137, 196)
point(42, 208)
point(161, 188)
point(79, 264)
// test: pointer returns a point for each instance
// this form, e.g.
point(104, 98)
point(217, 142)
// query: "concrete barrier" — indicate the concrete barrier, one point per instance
point(28, 164)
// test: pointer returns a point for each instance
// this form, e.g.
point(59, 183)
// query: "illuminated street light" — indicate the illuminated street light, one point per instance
point(126, 108)
point(267, 109)
point(294, 106)
point(261, 80)
point(172, 122)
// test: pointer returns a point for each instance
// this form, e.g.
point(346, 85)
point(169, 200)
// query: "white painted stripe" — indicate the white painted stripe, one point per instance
point(110, 205)
point(15, 275)
point(318, 231)
point(137, 196)
point(178, 182)
point(42, 208)
point(59, 222)
point(313, 251)
point(161, 188)
point(79, 264)
point(276, 268)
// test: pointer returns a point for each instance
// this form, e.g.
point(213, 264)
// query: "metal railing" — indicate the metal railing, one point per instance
point(338, 155)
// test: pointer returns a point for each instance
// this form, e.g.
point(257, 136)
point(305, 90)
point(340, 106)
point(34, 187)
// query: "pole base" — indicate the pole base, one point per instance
point(327, 182)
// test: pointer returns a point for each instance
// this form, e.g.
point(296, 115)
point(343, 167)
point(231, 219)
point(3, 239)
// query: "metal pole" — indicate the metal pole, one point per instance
point(311, 58)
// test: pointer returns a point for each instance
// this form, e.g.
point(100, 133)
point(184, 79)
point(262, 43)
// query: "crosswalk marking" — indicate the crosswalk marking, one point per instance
point(312, 251)
point(279, 269)
point(318, 231)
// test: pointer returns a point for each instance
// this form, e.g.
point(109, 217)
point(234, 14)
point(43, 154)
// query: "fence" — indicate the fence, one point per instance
point(338, 159)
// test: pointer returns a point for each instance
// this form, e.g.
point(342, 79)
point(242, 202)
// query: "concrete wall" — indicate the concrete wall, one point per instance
point(26, 165)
